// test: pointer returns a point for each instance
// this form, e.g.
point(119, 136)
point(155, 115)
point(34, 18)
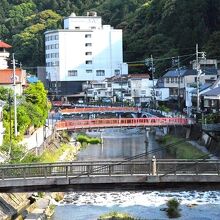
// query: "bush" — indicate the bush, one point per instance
point(116, 216)
point(173, 208)
point(83, 138)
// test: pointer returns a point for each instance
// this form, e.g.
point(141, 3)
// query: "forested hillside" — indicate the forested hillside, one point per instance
point(163, 28)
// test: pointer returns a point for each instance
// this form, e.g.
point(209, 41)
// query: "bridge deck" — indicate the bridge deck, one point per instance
point(119, 122)
point(81, 174)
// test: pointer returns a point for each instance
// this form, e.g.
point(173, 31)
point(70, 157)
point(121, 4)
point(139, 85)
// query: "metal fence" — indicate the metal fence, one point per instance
point(108, 168)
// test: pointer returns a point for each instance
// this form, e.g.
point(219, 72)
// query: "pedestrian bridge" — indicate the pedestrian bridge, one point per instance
point(69, 111)
point(120, 122)
point(109, 175)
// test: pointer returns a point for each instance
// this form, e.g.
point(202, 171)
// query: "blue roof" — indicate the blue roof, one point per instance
point(188, 72)
point(181, 72)
point(32, 79)
point(201, 88)
point(213, 92)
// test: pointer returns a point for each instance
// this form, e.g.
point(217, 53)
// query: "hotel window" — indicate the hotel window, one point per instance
point(88, 71)
point(88, 44)
point(117, 72)
point(88, 53)
point(72, 73)
point(88, 35)
point(56, 37)
point(100, 72)
point(172, 80)
point(88, 61)
point(56, 46)
point(167, 80)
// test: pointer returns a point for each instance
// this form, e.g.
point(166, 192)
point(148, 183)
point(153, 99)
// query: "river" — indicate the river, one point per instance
point(118, 144)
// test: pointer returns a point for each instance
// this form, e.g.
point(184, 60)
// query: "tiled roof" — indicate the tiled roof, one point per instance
point(201, 88)
point(32, 79)
point(181, 72)
point(213, 92)
point(188, 72)
point(4, 45)
point(139, 76)
point(6, 76)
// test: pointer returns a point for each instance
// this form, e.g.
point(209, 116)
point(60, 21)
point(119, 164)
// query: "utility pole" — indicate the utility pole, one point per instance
point(150, 63)
point(10, 132)
point(15, 98)
point(152, 72)
point(174, 63)
point(199, 72)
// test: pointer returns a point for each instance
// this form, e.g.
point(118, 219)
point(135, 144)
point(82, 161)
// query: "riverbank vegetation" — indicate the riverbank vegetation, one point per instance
point(83, 138)
point(181, 150)
point(32, 112)
point(173, 208)
point(116, 216)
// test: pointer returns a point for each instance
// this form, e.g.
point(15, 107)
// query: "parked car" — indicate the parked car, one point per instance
point(106, 100)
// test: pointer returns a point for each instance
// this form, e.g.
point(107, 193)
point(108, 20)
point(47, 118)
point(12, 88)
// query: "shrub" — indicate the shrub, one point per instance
point(82, 138)
point(173, 208)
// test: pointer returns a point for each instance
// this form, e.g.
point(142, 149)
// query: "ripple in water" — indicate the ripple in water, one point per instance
point(195, 205)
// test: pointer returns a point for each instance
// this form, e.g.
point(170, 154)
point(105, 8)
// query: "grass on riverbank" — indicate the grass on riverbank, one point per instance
point(52, 157)
point(116, 216)
point(83, 138)
point(182, 150)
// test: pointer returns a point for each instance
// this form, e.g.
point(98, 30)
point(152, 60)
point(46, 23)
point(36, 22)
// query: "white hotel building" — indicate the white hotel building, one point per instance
point(85, 50)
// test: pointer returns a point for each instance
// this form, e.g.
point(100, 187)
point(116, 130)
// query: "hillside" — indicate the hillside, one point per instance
point(163, 28)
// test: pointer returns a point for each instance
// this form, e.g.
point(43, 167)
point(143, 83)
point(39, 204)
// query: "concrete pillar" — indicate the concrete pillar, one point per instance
point(154, 166)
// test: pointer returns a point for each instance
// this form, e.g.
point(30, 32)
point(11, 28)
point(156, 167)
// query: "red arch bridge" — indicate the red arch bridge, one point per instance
point(121, 122)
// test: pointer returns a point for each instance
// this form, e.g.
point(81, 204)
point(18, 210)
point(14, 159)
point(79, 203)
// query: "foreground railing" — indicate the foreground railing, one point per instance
point(111, 168)
point(120, 122)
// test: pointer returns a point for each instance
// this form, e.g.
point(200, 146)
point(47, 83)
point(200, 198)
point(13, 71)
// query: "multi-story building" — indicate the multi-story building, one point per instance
point(4, 54)
point(177, 81)
point(85, 50)
point(7, 74)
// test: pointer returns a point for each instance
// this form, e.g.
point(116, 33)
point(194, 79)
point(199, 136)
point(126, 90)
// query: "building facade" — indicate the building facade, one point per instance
point(85, 50)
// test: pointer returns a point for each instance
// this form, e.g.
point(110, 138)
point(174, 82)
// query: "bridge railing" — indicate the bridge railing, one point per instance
point(78, 169)
point(188, 167)
point(98, 109)
point(119, 122)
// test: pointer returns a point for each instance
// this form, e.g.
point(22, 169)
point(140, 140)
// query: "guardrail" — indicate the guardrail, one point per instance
point(160, 167)
point(119, 122)
point(211, 127)
point(98, 109)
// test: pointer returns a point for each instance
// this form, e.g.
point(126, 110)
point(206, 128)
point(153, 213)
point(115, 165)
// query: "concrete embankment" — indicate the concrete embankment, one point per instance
point(199, 138)
point(14, 205)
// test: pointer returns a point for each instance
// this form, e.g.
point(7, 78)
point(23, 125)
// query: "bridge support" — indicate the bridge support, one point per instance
point(154, 166)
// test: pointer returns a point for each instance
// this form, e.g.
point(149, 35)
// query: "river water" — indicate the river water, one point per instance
point(118, 144)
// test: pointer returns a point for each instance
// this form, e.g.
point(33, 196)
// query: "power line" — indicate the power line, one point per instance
point(133, 157)
point(161, 59)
